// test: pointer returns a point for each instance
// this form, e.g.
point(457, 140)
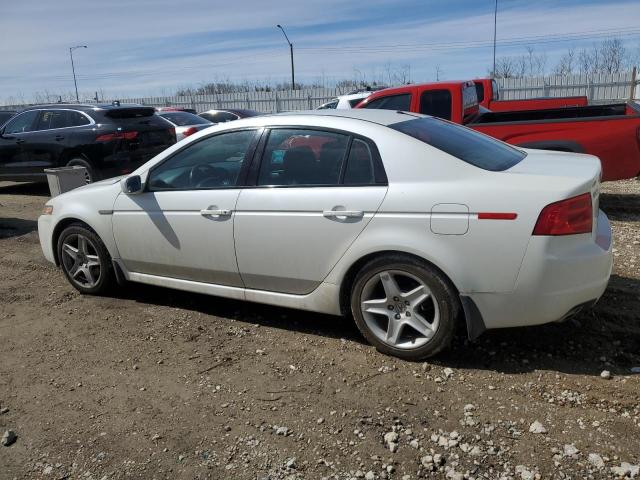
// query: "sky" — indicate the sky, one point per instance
point(153, 47)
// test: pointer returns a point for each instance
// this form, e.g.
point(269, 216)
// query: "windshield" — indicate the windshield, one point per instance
point(463, 143)
point(184, 118)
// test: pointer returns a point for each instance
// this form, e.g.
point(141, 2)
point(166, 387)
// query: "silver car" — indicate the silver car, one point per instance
point(407, 223)
point(185, 123)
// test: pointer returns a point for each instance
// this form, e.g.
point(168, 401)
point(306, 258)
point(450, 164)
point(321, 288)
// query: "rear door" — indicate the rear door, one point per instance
point(314, 192)
point(49, 139)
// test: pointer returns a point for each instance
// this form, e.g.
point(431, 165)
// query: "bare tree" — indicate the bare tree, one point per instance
point(566, 64)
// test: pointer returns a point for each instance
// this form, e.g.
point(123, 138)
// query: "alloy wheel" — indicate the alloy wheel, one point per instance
point(400, 309)
point(80, 260)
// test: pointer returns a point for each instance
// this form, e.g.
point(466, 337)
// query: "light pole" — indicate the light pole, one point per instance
point(73, 69)
point(293, 77)
point(495, 29)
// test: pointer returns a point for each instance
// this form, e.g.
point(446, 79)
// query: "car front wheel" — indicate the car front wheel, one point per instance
point(85, 260)
point(404, 307)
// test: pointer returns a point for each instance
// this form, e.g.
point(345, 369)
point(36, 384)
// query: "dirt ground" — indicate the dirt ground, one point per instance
point(156, 384)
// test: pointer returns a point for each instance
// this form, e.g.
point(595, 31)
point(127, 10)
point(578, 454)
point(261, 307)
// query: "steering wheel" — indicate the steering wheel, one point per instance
point(201, 175)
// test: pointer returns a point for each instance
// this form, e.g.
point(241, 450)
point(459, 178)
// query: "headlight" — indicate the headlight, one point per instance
point(47, 210)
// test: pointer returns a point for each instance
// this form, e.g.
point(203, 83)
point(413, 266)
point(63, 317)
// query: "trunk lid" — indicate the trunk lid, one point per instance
point(568, 174)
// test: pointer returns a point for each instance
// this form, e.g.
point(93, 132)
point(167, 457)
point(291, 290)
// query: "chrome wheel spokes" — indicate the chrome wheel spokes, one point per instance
point(400, 309)
point(81, 261)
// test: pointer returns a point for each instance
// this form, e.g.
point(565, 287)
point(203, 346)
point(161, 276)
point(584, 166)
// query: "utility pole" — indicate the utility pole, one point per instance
point(495, 30)
point(73, 69)
point(293, 77)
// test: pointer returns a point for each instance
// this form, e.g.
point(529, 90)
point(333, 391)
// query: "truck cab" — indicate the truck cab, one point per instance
point(456, 101)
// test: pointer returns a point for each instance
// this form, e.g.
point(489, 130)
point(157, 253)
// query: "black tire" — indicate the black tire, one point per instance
point(106, 278)
point(91, 175)
point(443, 293)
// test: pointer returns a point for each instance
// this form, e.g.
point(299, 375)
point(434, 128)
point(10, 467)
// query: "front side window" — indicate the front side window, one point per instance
point(214, 162)
point(400, 102)
point(302, 157)
point(436, 103)
point(468, 145)
point(22, 122)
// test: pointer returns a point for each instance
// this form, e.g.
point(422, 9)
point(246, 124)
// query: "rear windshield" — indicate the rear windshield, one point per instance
point(463, 143)
point(184, 118)
point(130, 112)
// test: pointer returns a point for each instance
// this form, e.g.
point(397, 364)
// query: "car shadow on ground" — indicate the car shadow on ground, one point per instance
point(621, 206)
point(38, 189)
point(606, 336)
point(16, 227)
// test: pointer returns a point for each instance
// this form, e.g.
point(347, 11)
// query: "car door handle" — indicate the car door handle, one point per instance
point(59, 137)
point(343, 213)
point(217, 212)
point(19, 141)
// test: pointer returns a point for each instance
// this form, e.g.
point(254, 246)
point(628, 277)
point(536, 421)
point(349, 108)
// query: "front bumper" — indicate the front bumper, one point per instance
point(557, 275)
point(45, 233)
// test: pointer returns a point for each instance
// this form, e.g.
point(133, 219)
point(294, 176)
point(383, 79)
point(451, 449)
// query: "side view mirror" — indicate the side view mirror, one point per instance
point(132, 185)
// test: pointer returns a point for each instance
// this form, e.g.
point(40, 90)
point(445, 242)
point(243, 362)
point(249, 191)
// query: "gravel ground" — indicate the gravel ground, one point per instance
point(161, 384)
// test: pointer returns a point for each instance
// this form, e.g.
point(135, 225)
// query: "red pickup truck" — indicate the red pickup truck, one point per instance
point(488, 94)
point(611, 132)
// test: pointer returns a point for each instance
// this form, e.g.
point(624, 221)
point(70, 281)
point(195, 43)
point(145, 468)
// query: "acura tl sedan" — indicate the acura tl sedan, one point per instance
point(407, 223)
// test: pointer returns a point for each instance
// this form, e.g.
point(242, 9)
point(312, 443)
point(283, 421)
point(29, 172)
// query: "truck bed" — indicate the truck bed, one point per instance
point(555, 114)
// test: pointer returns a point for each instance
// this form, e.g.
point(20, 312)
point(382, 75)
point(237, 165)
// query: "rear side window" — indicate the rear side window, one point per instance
point(463, 143)
point(184, 118)
point(400, 102)
point(480, 92)
point(436, 103)
point(76, 119)
point(301, 157)
point(219, 117)
point(22, 122)
point(329, 105)
point(360, 168)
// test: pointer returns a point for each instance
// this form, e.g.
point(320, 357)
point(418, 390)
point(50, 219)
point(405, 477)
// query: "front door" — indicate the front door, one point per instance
point(14, 142)
point(315, 192)
point(181, 226)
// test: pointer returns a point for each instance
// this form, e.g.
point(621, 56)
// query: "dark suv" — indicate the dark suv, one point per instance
point(108, 140)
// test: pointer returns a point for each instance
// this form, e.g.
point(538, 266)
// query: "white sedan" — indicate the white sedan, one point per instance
point(408, 223)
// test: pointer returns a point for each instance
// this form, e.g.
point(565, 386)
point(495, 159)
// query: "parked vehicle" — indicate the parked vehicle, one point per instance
point(6, 115)
point(228, 115)
point(409, 223)
point(344, 101)
point(488, 94)
point(176, 109)
point(107, 140)
point(185, 123)
point(611, 132)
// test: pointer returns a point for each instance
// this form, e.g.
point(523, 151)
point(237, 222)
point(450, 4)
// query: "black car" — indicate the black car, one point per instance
point(228, 114)
point(108, 140)
point(6, 115)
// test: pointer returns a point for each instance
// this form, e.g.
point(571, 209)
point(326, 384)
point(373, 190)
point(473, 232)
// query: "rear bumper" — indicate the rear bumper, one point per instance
point(557, 275)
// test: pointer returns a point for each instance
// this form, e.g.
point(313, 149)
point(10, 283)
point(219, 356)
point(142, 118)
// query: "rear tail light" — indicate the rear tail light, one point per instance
point(190, 131)
point(567, 217)
point(108, 137)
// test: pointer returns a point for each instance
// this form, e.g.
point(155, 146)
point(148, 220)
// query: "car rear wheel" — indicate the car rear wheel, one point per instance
point(404, 307)
point(85, 260)
point(90, 174)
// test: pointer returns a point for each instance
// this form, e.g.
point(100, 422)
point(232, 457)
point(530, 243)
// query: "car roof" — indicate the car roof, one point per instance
point(381, 117)
point(85, 106)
